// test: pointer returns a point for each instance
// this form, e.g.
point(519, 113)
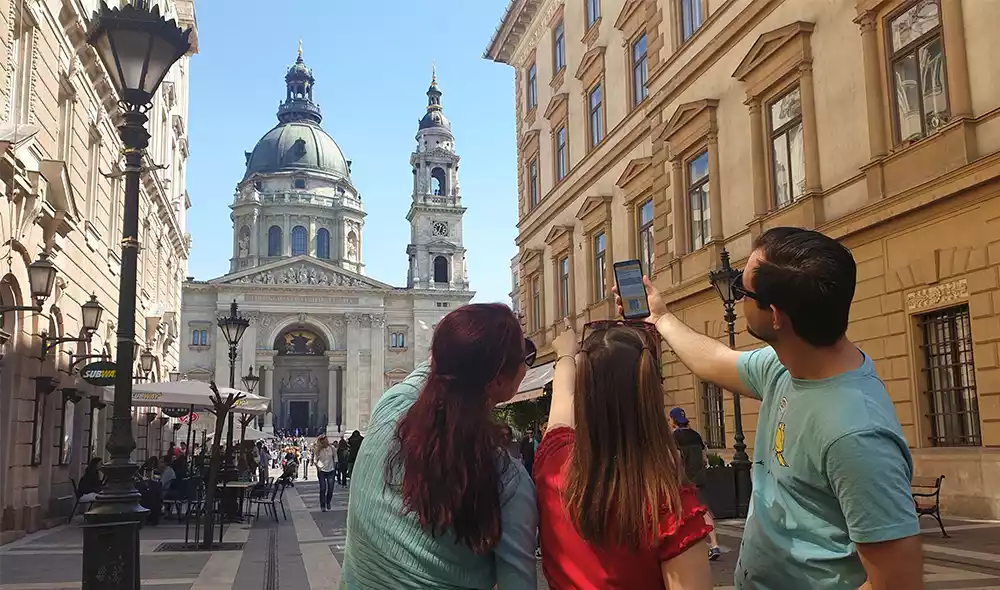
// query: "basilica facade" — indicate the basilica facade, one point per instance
point(325, 339)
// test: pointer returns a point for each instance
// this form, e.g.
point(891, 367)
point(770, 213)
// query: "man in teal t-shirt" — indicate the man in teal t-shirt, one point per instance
point(831, 506)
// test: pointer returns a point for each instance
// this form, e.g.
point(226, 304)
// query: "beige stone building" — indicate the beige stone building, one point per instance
point(667, 130)
point(60, 195)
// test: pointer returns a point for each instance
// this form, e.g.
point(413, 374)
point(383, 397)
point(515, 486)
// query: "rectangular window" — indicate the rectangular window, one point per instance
point(558, 48)
point(93, 176)
point(788, 156)
point(20, 97)
point(950, 377)
point(37, 428)
point(92, 437)
point(917, 66)
point(67, 119)
point(397, 340)
point(640, 70)
point(697, 190)
point(533, 189)
point(596, 116)
point(691, 18)
point(564, 286)
point(713, 415)
point(66, 432)
point(562, 157)
point(532, 87)
point(536, 304)
point(593, 12)
point(646, 237)
point(600, 268)
point(115, 203)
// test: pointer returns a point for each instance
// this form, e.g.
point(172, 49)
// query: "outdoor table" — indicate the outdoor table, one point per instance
point(233, 493)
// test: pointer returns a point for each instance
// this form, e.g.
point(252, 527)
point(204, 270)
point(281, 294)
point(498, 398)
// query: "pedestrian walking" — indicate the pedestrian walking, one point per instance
point(354, 447)
point(325, 470)
point(263, 460)
point(343, 456)
point(435, 502)
point(831, 507)
point(614, 507)
point(694, 459)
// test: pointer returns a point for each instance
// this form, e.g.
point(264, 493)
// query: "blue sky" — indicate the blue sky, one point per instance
point(372, 64)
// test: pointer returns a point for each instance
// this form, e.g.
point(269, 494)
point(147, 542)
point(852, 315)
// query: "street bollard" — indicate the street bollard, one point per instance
point(113, 556)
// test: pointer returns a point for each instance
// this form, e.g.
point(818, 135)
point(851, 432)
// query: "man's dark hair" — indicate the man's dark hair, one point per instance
point(808, 276)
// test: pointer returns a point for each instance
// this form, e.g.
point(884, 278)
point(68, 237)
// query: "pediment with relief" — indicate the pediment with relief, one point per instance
point(302, 271)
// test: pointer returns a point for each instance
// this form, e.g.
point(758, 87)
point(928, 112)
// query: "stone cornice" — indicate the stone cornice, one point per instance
point(513, 25)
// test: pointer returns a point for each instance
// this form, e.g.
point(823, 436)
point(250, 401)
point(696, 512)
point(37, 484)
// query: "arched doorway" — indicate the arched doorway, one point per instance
point(300, 379)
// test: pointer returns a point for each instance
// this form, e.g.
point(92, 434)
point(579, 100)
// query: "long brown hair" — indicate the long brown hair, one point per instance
point(625, 465)
point(447, 448)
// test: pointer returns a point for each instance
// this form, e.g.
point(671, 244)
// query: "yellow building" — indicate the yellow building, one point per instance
point(668, 130)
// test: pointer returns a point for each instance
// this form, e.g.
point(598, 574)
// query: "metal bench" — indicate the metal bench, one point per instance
point(930, 488)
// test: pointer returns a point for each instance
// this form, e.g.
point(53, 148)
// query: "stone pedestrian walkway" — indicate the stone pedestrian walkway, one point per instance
point(305, 551)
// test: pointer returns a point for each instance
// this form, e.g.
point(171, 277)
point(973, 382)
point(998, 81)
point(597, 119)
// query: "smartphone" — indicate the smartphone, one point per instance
point(628, 277)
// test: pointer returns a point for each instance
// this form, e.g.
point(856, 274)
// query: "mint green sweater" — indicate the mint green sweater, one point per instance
point(387, 550)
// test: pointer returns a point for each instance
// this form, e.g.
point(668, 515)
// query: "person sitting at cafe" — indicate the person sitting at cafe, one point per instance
point(167, 473)
point(91, 481)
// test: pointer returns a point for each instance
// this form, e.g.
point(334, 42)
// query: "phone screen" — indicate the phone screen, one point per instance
point(628, 275)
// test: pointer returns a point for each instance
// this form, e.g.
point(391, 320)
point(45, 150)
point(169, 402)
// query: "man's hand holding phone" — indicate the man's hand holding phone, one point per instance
point(657, 308)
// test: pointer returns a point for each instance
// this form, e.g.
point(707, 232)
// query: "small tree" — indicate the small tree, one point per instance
point(221, 409)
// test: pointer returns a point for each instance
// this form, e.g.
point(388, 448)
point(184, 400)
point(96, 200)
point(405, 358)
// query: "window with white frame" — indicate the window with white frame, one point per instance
point(536, 304)
point(564, 286)
point(646, 247)
point(917, 68)
point(697, 190)
point(788, 155)
point(562, 154)
point(600, 267)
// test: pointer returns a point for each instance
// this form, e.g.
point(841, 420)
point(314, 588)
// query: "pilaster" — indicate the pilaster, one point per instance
point(267, 367)
point(378, 362)
point(352, 395)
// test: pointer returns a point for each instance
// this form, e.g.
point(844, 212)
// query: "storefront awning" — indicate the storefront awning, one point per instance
point(534, 384)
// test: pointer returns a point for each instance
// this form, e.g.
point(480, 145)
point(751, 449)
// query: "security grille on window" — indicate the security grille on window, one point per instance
point(698, 200)
point(917, 70)
point(713, 415)
point(950, 377)
point(788, 156)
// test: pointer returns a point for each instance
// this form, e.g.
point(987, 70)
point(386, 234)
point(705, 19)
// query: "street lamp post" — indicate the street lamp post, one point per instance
point(723, 279)
point(137, 47)
point(233, 326)
point(250, 382)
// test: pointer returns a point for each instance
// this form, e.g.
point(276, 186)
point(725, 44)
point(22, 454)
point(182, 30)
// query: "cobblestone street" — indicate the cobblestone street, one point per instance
point(304, 552)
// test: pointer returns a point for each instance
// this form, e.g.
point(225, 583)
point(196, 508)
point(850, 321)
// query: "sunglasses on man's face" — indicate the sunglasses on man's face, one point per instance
point(530, 352)
point(740, 291)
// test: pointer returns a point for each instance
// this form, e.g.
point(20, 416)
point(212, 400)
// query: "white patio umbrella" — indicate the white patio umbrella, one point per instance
point(254, 434)
point(184, 394)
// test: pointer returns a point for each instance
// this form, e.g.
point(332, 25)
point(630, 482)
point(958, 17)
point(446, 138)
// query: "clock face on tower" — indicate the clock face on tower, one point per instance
point(440, 228)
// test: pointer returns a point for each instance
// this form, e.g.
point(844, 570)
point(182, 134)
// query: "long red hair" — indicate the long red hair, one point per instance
point(447, 448)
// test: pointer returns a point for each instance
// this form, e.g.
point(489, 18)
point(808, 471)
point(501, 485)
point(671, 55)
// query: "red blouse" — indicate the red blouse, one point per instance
point(570, 563)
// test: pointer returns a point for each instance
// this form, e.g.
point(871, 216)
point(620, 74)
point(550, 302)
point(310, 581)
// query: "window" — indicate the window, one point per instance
point(323, 244)
point(93, 176)
point(596, 116)
point(24, 41)
point(66, 431)
point(300, 240)
point(532, 87)
point(640, 70)
point(600, 268)
point(300, 183)
point(593, 12)
point(533, 188)
point(564, 286)
point(95, 425)
point(67, 118)
point(559, 48)
point(697, 176)
point(439, 185)
point(536, 304)
point(950, 377)
point(713, 413)
point(646, 237)
point(562, 157)
point(691, 18)
point(114, 223)
point(443, 304)
point(274, 241)
point(440, 269)
point(917, 66)
point(397, 340)
point(199, 338)
point(788, 156)
point(37, 428)
point(258, 185)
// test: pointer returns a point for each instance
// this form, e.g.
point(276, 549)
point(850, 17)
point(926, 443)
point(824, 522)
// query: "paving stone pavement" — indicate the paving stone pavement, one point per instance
point(305, 551)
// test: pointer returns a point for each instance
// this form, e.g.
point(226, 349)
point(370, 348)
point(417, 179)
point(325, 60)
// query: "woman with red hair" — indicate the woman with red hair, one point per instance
point(436, 501)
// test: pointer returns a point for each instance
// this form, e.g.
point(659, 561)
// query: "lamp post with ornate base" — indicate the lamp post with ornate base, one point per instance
point(723, 279)
point(137, 47)
point(233, 326)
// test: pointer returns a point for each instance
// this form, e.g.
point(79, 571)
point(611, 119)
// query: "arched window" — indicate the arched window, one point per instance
point(440, 269)
point(323, 244)
point(300, 240)
point(274, 241)
point(439, 184)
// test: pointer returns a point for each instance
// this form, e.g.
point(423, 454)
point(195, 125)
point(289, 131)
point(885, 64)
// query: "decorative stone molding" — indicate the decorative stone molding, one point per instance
point(302, 275)
point(353, 320)
point(937, 295)
point(377, 320)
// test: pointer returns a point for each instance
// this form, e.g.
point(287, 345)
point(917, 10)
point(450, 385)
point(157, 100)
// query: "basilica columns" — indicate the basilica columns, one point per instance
point(268, 392)
point(378, 364)
point(353, 402)
point(331, 398)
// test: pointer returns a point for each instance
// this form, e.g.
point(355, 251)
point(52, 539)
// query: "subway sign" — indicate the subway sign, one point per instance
point(101, 373)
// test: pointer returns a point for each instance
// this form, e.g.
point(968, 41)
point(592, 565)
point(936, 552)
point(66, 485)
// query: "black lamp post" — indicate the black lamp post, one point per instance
point(723, 280)
point(233, 326)
point(137, 47)
point(250, 382)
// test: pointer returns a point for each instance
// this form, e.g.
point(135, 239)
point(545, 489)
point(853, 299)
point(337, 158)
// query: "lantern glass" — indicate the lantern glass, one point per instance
point(146, 361)
point(41, 277)
point(92, 312)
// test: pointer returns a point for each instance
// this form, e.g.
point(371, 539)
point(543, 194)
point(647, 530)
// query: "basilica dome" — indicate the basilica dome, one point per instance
point(297, 146)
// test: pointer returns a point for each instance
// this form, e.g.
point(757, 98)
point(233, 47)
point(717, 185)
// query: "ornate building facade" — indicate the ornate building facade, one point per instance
point(326, 339)
point(62, 195)
point(669, 130)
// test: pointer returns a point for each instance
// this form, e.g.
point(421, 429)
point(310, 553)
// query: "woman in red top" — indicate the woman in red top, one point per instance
point(614, 510)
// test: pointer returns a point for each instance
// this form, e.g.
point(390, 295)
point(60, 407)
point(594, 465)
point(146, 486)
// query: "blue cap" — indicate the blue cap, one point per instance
point(678, 416)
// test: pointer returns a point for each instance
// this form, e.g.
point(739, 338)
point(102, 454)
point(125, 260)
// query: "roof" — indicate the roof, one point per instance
point(511, 30)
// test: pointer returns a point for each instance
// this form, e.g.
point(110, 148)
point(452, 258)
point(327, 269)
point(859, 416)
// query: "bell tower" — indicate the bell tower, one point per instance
point(436, 251)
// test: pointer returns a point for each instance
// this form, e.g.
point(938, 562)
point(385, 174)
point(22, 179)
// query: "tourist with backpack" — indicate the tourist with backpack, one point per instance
point(694, 456)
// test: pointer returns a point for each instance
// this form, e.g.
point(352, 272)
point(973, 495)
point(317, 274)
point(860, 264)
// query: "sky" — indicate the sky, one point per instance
point(372, 64)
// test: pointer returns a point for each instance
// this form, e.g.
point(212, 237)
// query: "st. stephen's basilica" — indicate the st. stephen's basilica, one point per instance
point(325, 339)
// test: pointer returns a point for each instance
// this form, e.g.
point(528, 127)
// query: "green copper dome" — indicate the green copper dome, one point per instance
point(296, 146)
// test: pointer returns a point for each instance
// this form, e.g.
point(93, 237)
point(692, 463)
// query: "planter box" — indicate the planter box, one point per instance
point(720, 491)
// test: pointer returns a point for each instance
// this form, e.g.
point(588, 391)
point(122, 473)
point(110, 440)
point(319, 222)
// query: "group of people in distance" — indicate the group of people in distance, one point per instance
point(437, 502)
